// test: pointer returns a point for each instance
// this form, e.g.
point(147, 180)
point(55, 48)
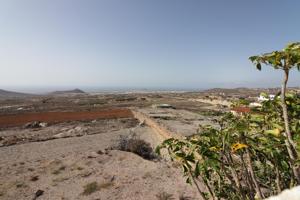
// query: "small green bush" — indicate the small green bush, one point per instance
point(91, 188)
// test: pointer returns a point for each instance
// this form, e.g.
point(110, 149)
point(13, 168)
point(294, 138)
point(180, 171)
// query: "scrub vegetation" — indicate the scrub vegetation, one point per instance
point(250, 156)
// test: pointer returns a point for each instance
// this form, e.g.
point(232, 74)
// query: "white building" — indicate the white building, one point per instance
point(263, 98)
point(254, 105)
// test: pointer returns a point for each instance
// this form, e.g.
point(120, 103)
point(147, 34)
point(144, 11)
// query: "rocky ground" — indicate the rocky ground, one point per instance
point(82, 160)
point(21, 135)
point(63, 168)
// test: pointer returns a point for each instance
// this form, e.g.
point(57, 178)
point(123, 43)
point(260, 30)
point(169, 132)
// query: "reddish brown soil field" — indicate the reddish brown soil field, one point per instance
point(55, 117)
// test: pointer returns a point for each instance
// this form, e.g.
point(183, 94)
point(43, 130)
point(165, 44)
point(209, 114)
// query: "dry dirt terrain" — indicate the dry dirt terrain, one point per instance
point(67, 146)
point(71, 145)
point(56, 117)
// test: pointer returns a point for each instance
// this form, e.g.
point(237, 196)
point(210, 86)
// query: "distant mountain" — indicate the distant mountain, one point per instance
point(75, 91)
point(229, 90)
point(11, 94)
point(245, 91)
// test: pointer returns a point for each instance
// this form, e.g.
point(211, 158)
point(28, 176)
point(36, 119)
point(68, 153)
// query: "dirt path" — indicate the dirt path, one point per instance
point(162, 132)
point(54, 117)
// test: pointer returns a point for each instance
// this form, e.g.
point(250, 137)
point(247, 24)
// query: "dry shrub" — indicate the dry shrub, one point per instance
point(183, 197)
point(164, 196)
point(106, 185)
point(91, 188)
point(137, 146)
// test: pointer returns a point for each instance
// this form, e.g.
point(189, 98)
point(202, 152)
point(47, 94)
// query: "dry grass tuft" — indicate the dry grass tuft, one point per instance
point(183, 197)
point(20, 185)
point(58, 171)
point(91, 188)
point(164, 196)
point(147, 175)
point(106, 185)
point(60, 179)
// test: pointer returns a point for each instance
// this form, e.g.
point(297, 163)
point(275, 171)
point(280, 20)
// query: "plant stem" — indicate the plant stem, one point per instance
point(248, 178)
point(195, 182)
point(278, 179)
point(209, 188)
point(257, 187)
point(289, 141)
point(250, 167)
point(197, 186)
point(235, 175)
point(285, 112)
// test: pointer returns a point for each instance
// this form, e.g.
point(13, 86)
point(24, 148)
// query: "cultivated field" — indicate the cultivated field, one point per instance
point(59, 117)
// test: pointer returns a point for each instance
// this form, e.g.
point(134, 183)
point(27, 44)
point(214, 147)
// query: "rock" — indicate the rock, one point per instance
point(93, 155)
point(100, 152)
point(34, 178)
point(30, 169)
point(77, 131)
point(112, 178)
point(71, 131)
point(38, 193)
point(63, 135)
point(36, 124)
point(86, 174)
point(64, 129)
point(78, 128)
point(11, 141)
point(164, 105)
point(43, 124)
point(142, 124)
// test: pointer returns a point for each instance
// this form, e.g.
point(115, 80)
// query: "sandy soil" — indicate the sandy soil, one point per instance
point(63, 167)
point(20, 135)
point(177, 121)
point(60, 160)
point(64, 157)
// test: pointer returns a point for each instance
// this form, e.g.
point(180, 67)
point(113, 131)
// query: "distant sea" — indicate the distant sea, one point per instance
point(104, 90)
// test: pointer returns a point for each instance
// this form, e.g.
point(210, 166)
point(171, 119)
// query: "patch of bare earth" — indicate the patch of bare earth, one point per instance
point(74, 161)
point(56, 117)
point(64, 168)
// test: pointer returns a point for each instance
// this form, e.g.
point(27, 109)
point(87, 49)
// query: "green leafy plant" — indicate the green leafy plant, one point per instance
point(244, 158)
point(252, 155)
point(285, 60)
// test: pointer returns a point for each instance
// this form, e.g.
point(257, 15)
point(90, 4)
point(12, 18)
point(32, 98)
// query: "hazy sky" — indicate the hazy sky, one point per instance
point(143, 43)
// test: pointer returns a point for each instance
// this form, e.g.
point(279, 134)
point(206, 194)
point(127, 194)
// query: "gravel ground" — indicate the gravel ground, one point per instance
point(62, 168)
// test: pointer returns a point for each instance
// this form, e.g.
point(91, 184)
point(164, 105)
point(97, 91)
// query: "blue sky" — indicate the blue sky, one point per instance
point(143, 43)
